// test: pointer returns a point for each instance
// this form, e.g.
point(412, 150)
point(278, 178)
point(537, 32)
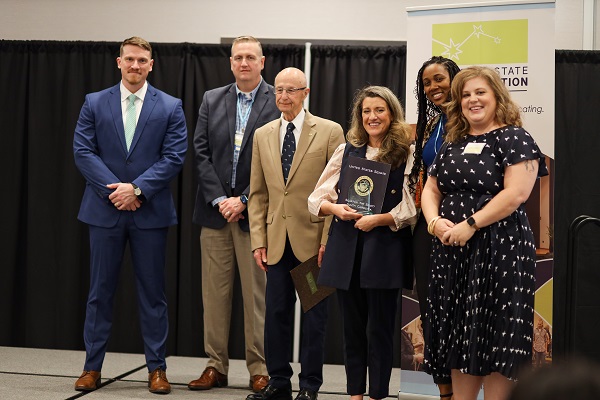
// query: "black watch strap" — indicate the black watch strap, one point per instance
point(136, 190)
point(471, 222)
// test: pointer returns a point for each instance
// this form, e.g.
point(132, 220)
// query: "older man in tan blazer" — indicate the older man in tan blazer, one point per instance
point(288, 157)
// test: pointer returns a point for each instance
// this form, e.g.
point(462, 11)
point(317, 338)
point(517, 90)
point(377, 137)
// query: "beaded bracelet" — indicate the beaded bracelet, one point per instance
point(431, 225)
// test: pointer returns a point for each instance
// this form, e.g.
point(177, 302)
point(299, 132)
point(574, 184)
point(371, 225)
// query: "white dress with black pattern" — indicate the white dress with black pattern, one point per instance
point(481, 296)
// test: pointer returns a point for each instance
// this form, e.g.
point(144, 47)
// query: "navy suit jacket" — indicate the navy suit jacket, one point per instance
point(214, 145)
point(156, 156)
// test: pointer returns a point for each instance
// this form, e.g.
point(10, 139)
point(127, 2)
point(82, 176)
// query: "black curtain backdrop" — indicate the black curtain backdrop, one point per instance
point(577, 192)
point(44, 248)
point(337, 72)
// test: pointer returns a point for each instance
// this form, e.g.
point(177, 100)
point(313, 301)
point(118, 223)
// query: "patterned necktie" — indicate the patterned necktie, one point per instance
point(130, 121)
point(244, 108)
point(287, 152)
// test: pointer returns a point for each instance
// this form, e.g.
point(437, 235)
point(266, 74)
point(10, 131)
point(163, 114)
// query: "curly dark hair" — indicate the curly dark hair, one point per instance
point(426, 112)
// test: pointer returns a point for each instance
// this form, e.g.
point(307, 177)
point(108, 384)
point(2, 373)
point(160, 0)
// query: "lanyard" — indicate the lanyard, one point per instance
point(440, 128)
point(243, 118)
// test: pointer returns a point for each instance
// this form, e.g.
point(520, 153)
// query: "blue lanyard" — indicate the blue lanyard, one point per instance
point(244, 118)
point(440, 128)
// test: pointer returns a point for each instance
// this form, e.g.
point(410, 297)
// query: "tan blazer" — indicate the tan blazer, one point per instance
point(277, 210)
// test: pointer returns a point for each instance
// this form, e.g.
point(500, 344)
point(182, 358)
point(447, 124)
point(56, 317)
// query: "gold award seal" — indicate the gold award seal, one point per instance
point(363, 185)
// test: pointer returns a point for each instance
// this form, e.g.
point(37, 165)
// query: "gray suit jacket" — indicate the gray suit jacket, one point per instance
point(214, 146)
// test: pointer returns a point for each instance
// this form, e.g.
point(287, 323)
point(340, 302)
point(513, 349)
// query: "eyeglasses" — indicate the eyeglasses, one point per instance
point(290, 91)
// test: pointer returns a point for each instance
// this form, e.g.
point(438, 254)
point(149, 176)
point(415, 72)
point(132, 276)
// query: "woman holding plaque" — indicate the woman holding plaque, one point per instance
point(433, 91)
point(480, 303)
point(368, 256)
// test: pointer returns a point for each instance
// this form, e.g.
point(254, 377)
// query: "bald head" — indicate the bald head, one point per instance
point(292, 74)
point(290, 92)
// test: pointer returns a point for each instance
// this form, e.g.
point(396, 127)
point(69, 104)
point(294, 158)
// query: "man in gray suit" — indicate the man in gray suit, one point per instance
point(223, 148)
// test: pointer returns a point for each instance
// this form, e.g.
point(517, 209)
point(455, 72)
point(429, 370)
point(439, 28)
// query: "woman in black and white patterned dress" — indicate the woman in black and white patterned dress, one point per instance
point(482, 286)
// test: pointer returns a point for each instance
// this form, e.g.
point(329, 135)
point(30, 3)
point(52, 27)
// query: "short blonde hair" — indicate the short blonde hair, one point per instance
point(136, 41)
point(246, 39)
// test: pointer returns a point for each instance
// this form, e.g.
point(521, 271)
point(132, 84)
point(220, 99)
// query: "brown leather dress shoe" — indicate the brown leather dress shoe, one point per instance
point(208, 380)
point(88, 381)
point(257, 382)
point(158, 383)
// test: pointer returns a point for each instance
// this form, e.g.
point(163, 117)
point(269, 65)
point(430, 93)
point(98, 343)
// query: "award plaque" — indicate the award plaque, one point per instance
point(364, 184)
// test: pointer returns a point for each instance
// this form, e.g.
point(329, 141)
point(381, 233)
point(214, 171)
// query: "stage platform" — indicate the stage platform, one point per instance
point(40, 374)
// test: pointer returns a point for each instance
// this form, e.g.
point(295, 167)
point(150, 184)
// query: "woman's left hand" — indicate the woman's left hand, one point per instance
point(458, 235)
point(366, 222)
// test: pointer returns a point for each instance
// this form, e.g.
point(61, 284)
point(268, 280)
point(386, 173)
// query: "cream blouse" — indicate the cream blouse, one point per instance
point(404, 214)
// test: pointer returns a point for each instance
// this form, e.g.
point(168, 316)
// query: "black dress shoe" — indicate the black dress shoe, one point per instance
point(306, 394)
point(270, 392)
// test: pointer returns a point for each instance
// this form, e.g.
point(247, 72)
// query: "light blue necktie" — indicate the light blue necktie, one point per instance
point(130, 121)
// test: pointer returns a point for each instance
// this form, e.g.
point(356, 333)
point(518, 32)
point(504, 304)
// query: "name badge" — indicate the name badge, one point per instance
point(474, 148)
point(239, 136)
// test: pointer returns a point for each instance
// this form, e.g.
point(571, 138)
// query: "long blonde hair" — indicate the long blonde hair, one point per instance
point(395, 146)
point(507, 111)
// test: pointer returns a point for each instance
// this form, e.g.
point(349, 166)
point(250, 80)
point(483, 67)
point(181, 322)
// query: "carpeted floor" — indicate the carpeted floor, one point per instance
point(40, 374)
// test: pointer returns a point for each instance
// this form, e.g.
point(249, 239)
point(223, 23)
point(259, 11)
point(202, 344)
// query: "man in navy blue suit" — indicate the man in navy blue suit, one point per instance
point(129, 143)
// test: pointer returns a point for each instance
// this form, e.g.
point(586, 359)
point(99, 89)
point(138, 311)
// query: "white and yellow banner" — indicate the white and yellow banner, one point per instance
point(514, 37)
point(517, 39)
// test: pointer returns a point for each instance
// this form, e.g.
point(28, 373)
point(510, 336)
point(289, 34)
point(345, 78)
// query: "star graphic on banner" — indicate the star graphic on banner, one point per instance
point(477, 30)
point(452, 50)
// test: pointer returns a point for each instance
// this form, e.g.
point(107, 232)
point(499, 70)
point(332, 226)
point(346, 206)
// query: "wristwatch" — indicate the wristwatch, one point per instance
point(244, 199)
point(136, 190)
point(472, 223)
